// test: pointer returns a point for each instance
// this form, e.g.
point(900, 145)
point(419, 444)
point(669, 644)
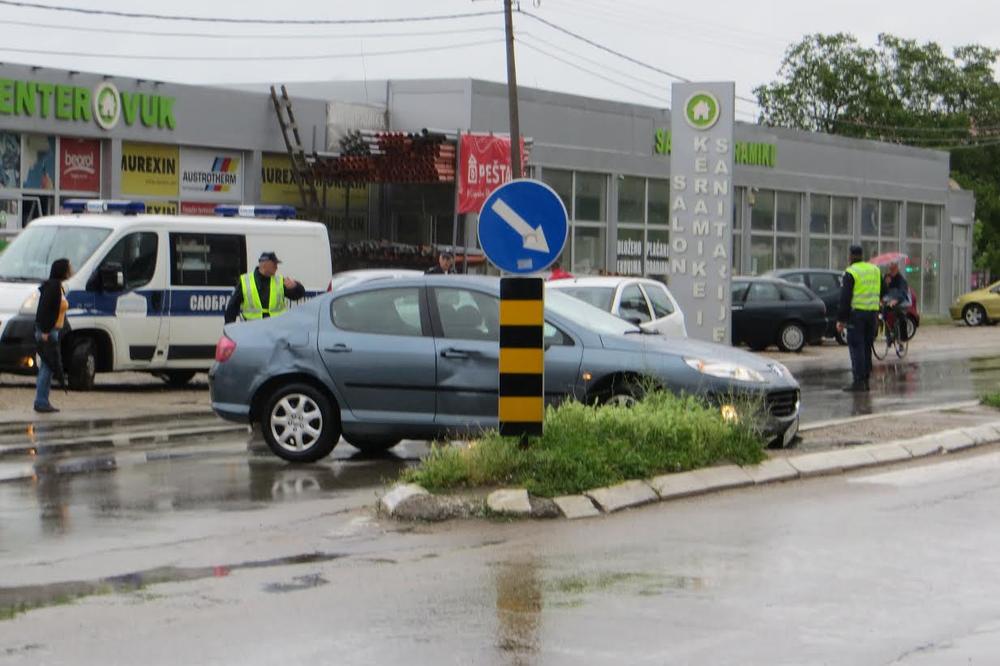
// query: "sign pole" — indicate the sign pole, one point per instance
point(458, 184)
point(515, 127)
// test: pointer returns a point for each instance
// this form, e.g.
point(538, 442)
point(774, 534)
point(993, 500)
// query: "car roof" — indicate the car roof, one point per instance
point(174, 222)
point(599, 281)
point(765, 278)
point(788, 271)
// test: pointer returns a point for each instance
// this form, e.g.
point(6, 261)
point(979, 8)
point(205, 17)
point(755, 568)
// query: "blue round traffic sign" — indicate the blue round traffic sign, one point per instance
point(523, 226)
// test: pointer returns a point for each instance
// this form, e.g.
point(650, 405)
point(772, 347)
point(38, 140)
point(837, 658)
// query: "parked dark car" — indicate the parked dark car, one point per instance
point(769, 311)
point(826, 284)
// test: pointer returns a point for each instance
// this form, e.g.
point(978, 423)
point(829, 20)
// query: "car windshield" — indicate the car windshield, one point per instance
point(585, 315)
point(340, 281)
point(599, 297)
point(30, 256)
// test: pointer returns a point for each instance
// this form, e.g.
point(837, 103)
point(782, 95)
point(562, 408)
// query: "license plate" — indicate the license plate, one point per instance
point(790, 433)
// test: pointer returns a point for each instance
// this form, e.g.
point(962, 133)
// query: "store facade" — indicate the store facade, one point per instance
point(800, 199)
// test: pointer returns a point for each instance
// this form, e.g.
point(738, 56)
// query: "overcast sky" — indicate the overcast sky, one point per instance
point(739, 40)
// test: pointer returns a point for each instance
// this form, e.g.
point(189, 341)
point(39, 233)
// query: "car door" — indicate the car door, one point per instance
point(377, 347)
point(137, 304)
point(992, 302)
point(667, 318)
point(763, 312)
point(466, 325)
point(632, 305)
point(738, 297)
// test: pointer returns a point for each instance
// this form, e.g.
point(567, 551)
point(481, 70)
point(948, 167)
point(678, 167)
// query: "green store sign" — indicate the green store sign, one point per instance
point(103, 104)
point(744, 152)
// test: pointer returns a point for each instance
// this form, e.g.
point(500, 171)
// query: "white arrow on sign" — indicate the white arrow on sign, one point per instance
point(533, 239)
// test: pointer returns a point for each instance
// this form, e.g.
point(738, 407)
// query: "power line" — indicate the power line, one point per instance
point(261, 36)
point(204, 58)
point(226, 19)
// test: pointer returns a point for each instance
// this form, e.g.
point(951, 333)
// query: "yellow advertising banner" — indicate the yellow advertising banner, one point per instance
point(277, 183)
point(150, 169)
point(161, 207)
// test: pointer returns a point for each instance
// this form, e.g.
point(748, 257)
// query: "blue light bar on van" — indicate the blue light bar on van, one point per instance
point(104, 206)
point(276, 212)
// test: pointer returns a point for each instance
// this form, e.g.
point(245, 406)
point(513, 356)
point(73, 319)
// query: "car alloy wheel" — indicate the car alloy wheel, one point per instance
point(974, 315)
point(299, 423)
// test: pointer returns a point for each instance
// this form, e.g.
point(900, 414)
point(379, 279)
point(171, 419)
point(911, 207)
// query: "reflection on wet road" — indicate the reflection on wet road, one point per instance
point(897, 384)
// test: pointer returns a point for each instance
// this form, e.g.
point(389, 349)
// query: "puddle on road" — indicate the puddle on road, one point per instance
point(14, 600)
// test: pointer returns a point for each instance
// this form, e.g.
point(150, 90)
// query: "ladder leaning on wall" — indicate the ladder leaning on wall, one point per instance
point(302, 166)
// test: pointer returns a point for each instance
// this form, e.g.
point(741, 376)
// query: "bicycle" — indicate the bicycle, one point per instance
point(889, 334)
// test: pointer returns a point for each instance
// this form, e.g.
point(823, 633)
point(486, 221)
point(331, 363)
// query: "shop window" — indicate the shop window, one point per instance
point(819, 252)
point(562, 182)
point(889, 221)
point(840, 249)
point(591, 197)
point(788, 216)
point(657, 252)
point(658, 204)
point(589, 249)
point(630, 251)
point(761, 254)
point(787, 252)
point(819, 214)
point(932, 222)
point(207, 260)
point(631, 199)
point(869, 217)
point(842, 216)
point(762, 210)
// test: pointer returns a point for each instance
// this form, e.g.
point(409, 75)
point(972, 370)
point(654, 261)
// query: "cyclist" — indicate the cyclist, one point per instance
point(895, 296)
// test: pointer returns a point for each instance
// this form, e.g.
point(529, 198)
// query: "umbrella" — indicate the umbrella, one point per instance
point(51, 353)
point(883, 260)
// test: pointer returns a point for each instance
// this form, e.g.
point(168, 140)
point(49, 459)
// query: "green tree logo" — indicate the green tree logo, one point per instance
point(107, 105)
point(701, 111)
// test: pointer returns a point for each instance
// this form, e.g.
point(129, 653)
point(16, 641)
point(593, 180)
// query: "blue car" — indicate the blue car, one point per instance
point(417, 358)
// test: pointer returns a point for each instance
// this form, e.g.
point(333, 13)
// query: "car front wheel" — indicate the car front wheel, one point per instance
point(299, 423)
point(792, 337)
point(974, 315)
point(82, 365)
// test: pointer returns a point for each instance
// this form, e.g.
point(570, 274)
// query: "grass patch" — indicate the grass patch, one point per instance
point(588, 447)
point(992, 399)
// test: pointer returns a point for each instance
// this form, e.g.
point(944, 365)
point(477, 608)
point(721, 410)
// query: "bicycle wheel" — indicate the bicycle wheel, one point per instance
point(880, 347)
point(899, 343)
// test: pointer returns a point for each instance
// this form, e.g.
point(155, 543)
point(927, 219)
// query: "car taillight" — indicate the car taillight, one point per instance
point(224, 349)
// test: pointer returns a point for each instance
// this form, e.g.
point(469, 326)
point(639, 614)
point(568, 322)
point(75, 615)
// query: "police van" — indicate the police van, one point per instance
point(149, 291)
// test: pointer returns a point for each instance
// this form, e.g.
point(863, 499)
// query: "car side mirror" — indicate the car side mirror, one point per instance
point(636, 321)
point(112, 277)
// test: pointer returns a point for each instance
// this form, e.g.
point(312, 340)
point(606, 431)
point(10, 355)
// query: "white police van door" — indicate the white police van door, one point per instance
point(204, 270)
point(129, 296)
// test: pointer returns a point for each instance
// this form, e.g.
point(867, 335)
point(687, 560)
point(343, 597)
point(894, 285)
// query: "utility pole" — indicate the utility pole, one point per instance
point(515, 128)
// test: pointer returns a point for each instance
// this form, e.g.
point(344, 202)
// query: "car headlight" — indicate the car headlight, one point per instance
point(30, 305)
point(724, 370)
point(780, 370)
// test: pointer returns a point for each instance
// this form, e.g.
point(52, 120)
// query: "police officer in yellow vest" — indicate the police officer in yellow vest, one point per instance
point(261, 293)
point(858, 312)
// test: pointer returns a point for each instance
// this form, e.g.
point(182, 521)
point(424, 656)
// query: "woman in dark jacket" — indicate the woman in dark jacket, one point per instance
point(49, 320)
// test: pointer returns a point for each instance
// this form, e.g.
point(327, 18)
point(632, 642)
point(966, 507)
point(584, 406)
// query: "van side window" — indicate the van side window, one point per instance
point(207, 260)
point(135, 255)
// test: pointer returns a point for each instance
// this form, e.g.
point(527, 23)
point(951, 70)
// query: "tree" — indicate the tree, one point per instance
point(901, 92)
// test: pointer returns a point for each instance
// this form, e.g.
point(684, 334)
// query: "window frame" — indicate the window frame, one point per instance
point(642, 295)
point(434, 305)
point(172, 238)
point(425, 328)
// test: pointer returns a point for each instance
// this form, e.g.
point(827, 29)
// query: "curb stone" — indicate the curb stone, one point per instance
point(622, 496)
point(412, 502)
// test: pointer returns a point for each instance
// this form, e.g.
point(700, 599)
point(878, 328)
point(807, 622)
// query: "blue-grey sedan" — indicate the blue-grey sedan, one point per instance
point(417, 358)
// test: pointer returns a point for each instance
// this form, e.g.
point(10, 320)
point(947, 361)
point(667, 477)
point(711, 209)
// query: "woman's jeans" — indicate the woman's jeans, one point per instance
point(44, 384)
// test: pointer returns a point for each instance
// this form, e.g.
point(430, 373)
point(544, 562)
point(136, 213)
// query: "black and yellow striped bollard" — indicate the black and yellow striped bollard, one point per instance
point(522, 356)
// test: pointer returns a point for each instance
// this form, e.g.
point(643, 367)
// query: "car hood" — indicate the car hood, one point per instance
point(688, 348)
point(974, 295)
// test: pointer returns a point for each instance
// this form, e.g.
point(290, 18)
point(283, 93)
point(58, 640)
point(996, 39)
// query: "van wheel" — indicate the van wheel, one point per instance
point(372, 445)
point(299, 424)
point(82, 366)
point(176, 378)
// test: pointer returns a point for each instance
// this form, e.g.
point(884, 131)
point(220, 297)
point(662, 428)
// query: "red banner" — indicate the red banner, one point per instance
point(485, 166)
point(80, 165)
point(197, 208)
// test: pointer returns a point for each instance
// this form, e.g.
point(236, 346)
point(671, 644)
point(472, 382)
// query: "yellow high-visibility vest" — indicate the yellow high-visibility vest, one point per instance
point(867, 286)
point(252, 308)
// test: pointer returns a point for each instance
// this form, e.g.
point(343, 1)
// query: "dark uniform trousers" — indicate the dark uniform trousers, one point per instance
point(860, 338)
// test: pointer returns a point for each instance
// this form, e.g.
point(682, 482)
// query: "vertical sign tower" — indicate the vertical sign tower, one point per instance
point(701, 206)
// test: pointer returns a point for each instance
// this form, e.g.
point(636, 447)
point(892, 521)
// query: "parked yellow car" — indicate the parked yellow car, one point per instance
point(978, 307)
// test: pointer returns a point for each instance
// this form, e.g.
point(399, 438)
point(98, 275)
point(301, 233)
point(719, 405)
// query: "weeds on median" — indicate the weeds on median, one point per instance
point(588, 447)
point(992, 399)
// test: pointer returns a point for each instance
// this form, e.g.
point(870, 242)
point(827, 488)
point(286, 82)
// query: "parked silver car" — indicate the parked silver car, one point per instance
point(416, 357)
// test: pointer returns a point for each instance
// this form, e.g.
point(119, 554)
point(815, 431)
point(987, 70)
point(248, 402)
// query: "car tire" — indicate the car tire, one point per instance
point(176, 378)
point(841, 337)
point(791, 337)
point(974, 315)
point(82, 366)
point(299, 423)
point(911, 327)
point(370, 445)
point(757, 346)
point(624, 394)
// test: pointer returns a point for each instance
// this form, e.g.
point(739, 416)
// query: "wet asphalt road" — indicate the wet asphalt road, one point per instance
point(887, 567)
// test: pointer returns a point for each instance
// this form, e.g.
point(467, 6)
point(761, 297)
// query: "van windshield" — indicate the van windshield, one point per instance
point(30, 256)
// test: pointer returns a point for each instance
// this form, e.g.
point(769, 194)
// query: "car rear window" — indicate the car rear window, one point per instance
point(789, 293)
point(382, 312)
point(824, 283)
point(599, 297)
